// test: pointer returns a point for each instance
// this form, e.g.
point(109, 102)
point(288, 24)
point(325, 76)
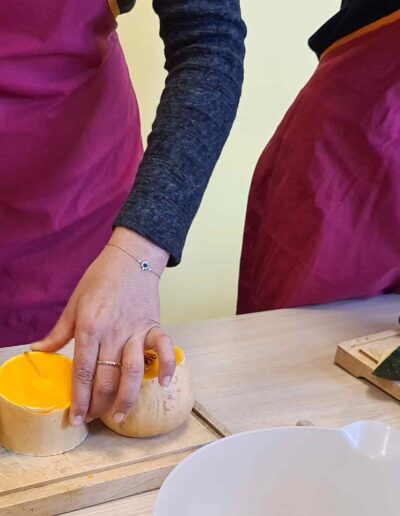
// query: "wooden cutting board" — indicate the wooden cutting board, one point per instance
point(360, 357)
point(105, 467)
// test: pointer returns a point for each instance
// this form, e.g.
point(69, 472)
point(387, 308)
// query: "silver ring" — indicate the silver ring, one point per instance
point(109, 362)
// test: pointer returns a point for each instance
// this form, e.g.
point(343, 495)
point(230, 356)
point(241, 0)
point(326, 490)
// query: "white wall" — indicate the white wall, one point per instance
point(278, 63)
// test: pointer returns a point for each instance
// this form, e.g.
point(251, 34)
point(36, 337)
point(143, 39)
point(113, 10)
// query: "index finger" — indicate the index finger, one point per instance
point(83, 372)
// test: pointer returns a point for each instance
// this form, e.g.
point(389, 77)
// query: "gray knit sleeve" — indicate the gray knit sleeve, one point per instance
point(204, 50)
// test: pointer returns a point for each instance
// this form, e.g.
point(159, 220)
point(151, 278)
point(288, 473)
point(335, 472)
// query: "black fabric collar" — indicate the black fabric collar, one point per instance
point(353, 15)
point(125, 5)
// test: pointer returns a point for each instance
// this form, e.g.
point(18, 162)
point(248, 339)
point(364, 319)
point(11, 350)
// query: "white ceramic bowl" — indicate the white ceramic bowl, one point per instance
point(353, 471)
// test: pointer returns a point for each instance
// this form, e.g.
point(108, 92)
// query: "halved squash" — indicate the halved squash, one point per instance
point(158, 410)
point(35, 397)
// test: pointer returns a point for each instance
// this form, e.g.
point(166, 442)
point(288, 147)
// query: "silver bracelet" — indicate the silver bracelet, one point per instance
point(144, 264)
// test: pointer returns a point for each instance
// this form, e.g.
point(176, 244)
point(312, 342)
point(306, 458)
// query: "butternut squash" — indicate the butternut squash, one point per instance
point(157, 409)
point(35, 397)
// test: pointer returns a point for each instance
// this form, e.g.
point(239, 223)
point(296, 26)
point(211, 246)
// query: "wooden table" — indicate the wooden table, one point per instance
point(276, 368)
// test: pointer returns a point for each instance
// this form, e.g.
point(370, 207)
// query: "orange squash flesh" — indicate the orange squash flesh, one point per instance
point(152, 363)
point(37, 380)
point(43, 380)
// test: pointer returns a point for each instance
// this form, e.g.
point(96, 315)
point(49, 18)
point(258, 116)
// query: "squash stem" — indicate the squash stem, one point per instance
point(27, 356)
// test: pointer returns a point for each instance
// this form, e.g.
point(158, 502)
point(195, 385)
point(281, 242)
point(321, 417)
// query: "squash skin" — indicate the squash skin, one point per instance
point(158, 410)
point(389, 366)
point(31, 432)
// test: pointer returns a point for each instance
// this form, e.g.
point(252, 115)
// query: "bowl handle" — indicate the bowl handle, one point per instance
point(372, 438)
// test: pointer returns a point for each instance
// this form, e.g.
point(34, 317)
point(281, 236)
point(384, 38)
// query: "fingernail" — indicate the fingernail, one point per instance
point(76, 420)
point(36, 345)
point(166, 381)
point(119, 417)
point(88, 419)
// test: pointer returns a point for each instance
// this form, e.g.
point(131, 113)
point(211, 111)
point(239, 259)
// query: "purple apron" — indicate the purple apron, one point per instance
point(69, 150)
point(323, 219)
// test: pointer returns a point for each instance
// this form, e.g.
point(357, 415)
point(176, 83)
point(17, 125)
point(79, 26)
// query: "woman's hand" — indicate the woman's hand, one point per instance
point(114, 314)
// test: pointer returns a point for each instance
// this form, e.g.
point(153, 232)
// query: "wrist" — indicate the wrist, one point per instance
point(140, 247)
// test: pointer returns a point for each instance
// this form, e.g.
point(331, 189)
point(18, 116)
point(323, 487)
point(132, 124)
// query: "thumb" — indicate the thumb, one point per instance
point(59, 336)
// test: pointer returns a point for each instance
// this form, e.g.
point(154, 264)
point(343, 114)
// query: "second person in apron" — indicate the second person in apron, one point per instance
point(323, 219)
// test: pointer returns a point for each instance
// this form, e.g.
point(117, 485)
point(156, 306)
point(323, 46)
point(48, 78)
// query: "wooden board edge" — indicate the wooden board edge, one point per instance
point(367, 339)
point(92, 489)
point(347, 361)
point(209, 421)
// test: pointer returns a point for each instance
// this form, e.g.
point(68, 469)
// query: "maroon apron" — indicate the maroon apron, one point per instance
point(323, 220)
point(69, 150)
